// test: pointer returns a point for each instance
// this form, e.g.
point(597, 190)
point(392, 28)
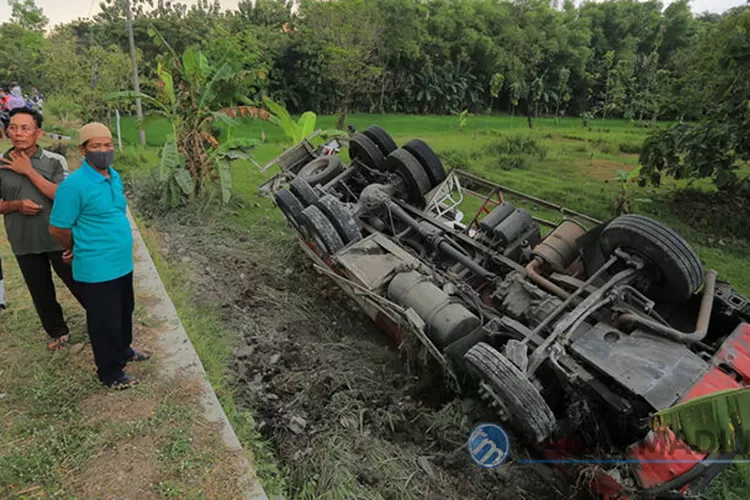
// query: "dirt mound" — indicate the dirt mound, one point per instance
point(343, 410)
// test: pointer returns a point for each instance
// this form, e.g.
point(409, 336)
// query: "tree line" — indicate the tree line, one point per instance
point(618, 58)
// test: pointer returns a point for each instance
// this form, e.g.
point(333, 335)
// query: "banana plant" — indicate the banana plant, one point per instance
point(298, 130)
point(189, 97)
point(294, 130)
point(714, 423)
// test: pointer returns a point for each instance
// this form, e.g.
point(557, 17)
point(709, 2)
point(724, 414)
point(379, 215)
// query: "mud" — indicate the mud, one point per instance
point(346, 411)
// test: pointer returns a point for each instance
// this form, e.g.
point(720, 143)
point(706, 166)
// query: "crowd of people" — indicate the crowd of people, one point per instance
point(12, 97)
point(76, 225)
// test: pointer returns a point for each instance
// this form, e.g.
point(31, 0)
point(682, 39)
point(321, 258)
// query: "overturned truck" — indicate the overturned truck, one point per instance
point(573, 331)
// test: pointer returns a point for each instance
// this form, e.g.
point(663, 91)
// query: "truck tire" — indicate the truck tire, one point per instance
point(362, 148)
point(428, 159)
point(321, 230)
point(409, 169)
point(526, 408)
point(340, 217)
point(677, 270)
point(303, 191)
point(321, 170)
point(381, 138)
point(290, 206)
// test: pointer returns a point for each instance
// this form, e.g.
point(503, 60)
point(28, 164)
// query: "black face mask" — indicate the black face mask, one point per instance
point(100, 159)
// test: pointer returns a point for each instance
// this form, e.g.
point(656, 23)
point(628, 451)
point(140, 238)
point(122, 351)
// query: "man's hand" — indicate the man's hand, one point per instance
point(67, 256)
point(28, 207)
point(20, 163)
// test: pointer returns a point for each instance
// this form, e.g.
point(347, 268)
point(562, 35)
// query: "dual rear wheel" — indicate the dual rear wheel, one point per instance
point(325, 220)
point(415, 163)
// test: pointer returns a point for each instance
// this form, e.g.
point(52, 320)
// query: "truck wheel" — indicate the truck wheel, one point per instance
point(407, 166)
point(362, 148)
point(428, 159)
point(381, 138)
point(290, 206)
point(303, 191)
point(321, 170)
point(340, 217)
point(522, 403)
point(676, 269)
point(321, 230)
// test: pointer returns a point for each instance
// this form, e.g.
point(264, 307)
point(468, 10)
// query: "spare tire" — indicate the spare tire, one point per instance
point(340, 217)
point(321, 170)
point(381, 138)
point(303, 191)
point(676, 270)
point(521, 401)
point(321, 230)
point(290, 206)
point(410, 170)
point(362, 148)
point(428, 159)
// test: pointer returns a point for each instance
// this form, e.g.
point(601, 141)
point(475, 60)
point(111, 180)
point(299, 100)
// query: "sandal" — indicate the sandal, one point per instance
point(122, 383)
point(138, 356)
point(59, 344)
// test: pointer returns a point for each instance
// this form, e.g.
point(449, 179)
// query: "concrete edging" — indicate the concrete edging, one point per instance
point(179, 356)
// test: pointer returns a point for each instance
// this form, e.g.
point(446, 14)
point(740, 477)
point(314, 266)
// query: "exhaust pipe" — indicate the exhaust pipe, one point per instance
point(701, 327)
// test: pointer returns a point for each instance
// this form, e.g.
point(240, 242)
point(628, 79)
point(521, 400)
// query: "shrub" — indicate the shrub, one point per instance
point(456, 159)
point(516, 145)
point(64, 110)
point(630, 148)
point(510, 162)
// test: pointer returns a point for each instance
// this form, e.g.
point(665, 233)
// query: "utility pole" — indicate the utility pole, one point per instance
point(136, 84)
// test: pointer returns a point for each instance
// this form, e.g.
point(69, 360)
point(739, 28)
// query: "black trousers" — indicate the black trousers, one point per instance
point(38, 277)
point(109, 313)
point(2, 285)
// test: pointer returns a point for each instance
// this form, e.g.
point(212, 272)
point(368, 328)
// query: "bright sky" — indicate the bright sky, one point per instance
point(61, 11)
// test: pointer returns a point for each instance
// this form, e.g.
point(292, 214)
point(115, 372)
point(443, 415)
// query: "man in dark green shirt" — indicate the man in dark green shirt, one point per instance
point(29, 177)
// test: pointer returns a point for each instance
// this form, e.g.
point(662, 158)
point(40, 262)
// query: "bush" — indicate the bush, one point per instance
point(510, 162)
point(629, 148)
point(456, 159)
point(147, 193)
point(515, 146)
point(64, 110)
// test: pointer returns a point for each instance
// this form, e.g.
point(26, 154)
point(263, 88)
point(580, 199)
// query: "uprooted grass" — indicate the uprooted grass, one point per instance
point(63, 434)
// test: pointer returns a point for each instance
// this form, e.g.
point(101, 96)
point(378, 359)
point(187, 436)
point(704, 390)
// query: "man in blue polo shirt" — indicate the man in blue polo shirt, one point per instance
point(89, 220)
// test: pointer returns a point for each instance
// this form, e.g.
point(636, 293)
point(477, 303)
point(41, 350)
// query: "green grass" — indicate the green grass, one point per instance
point(214, 344)
point(578, 171)
point(65, 435)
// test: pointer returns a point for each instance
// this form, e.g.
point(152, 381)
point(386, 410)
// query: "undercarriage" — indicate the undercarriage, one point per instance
point(573, 330)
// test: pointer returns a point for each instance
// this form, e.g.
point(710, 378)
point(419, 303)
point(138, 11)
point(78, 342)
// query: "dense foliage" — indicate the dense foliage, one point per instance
point(616, 58)
point(718, 144)
point(613, 58)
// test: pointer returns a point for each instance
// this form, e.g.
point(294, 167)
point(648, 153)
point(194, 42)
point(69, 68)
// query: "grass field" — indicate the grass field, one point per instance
point(578, 170)
point(576, 167)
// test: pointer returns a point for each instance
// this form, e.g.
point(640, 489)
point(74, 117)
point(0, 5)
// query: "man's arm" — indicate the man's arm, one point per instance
point(63, 236)
point(44, 186)
point(65, 212)
point(26, 207)
point(7, 207)
point(20, 163)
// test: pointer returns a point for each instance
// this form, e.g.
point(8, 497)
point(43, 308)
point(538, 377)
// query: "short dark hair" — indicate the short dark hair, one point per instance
point(26, 111)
